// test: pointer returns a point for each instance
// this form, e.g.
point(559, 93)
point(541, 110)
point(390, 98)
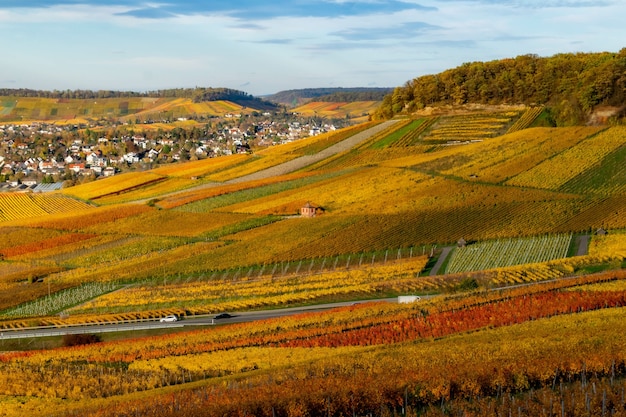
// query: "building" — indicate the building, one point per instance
point(310, 210)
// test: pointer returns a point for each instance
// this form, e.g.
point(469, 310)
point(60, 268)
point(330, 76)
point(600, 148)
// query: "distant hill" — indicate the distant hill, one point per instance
point(26, 104)
point(197, 95)
point(295, 98)
point(571, 85)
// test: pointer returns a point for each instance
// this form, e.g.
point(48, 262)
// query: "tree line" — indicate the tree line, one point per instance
point(570, 84)
point(330, 94)
point(198, 94)
point(376, 94)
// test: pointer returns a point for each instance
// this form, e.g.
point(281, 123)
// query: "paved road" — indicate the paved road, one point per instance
point(583, 245)
point(444, 254)
point(241, 317)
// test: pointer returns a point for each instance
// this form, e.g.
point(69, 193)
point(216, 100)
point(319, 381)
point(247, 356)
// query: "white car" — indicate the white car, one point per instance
point(169, 319)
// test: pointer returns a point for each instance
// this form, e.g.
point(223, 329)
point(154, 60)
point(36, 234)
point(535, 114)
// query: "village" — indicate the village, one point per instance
point(46, 156)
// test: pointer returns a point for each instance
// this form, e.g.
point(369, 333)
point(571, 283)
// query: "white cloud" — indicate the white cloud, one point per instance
point(129, 47)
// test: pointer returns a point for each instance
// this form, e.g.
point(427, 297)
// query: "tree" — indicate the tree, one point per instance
point(572, 83)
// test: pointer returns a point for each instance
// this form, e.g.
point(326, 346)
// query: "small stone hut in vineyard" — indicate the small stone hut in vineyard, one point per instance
point(310, 210)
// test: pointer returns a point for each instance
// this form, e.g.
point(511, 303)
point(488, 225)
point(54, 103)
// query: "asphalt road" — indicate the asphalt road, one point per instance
point(241, 317)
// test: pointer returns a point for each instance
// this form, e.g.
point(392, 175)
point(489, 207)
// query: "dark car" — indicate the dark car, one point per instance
point(223, 316)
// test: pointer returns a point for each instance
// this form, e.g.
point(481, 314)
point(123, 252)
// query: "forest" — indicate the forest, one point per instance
point(330, 94)
point(570, 85)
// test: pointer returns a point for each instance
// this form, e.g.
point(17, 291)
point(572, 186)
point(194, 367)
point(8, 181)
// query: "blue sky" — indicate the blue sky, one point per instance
point(264, 47)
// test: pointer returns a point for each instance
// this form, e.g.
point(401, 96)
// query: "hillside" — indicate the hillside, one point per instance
point(81, 110)
point(76, 106)
point(403, 184)
point(446, 204)
point(572, 86)
point(294, 98)
point(357, 111)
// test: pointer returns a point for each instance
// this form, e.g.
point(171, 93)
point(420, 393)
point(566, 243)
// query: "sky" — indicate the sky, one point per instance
point(265, 47)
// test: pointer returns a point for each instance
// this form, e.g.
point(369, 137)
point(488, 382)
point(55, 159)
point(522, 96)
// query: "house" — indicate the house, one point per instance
point(310, 210)
point(77, 168)
point(46, 166)
point(131, 158)
point(95, 159)
point(7, 170)
point(153, 154)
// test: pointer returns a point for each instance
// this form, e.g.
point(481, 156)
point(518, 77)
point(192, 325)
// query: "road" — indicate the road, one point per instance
point(440, 260)
point(240, 317)
point(280, 169)
point(583, 245)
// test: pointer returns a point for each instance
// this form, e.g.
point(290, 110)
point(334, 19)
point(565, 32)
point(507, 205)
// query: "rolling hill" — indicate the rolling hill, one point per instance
point(25, 109)
point(23, 105)
point(453, 204)
point(382, 186)
point(294, 98)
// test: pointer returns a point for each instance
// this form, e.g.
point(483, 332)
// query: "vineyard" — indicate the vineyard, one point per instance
point(358, 110)
point(73, 110)
point(526, 119)
point(114, 185)
point(274, 156)
point(468, 128)
point(500, 253)
point(572, 162)
point(372, 358)
point(225, 235)
point(15, 206)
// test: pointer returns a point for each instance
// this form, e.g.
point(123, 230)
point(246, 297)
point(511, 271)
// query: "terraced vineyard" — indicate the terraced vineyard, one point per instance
point(468, 128)
point(526, 119)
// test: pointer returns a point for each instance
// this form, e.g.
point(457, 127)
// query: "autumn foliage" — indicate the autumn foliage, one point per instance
point(367, 357)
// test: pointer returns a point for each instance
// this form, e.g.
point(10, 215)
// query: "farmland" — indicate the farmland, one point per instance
point(224, 234)
point(81, 110)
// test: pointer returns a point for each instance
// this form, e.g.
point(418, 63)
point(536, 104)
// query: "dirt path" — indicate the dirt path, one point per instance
point(298, 163)
point(303, 161)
